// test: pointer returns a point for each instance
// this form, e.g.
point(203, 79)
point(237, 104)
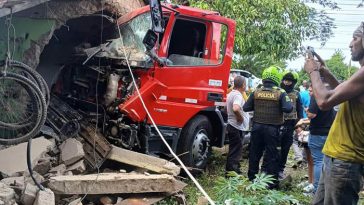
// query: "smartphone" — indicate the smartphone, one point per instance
point(310, 51)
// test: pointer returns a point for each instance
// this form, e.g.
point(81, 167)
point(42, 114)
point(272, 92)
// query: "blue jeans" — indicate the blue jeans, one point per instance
point(340, 183)
point(316, 143)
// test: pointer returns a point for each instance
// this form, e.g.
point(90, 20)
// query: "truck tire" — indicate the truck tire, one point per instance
point(194, 143)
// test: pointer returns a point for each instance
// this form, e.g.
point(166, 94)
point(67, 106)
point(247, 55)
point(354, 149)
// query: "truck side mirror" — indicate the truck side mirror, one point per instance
point(157, 16)
point(150, 39)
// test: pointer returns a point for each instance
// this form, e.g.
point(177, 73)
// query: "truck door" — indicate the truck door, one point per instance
point(199, 48)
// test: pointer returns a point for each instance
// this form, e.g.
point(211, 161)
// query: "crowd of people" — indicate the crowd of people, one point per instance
point(333, 141)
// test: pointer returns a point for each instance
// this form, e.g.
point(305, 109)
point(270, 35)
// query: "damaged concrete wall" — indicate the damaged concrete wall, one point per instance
point(54, 14)
point(31, 35)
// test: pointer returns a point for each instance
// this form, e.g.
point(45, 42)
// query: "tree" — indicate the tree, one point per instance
point(271, 30)
point(337, 66)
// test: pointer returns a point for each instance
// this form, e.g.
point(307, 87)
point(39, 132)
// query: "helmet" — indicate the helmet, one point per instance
point(272, 73)
point(290, 75)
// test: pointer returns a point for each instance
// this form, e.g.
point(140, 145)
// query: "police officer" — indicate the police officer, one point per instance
point(268, 103)
point(288, 83)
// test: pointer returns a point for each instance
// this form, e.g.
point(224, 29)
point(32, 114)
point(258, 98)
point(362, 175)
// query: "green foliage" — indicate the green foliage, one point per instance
point(238, 189)
point(271, 31)
point(337, 66)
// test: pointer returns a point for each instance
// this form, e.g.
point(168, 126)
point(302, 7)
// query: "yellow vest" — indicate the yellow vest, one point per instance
point(346, 137)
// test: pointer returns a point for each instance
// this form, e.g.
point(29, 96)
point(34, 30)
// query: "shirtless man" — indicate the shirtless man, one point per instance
point(341, 178)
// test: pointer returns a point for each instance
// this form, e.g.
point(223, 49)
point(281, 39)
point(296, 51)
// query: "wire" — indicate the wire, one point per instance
point(157, 129)
point(97, 106)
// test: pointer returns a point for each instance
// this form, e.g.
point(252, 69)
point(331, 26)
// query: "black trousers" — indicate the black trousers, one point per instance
point(264, 138)
point(235, 149)
point(286, 139)
point(286, 143)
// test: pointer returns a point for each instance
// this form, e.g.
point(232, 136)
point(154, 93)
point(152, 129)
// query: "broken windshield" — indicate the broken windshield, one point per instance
point(132, 33)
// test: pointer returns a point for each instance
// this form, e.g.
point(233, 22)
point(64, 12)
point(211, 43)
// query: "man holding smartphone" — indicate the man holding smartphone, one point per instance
point(341, 178)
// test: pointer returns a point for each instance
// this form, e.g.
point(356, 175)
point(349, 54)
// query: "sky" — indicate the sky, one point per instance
point(347, 19)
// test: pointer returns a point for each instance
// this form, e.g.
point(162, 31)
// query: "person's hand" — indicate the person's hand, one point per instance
point(311, 65)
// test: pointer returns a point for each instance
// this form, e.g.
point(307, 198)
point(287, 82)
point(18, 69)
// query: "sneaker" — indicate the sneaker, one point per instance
point(309, 188)
point(310, 195)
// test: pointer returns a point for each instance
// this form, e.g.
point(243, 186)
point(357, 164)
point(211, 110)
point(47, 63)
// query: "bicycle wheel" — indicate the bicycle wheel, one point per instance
point(30, 73)
point(23, 108)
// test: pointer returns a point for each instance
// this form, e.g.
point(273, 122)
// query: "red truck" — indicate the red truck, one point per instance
point(182, 79)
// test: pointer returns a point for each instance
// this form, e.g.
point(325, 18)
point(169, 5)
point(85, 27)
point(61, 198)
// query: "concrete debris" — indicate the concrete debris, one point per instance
point(112, 183)
point(78, 167)
point(17, 183)
point(202, 201)
point(17, 154)
point(71, 151)
point(105, 200)
point(76, 202)
point(58, 170)
point(143, 161)
point(45, 198)
point(7, 194)
point(37, 177)
point(43, 165)
point(29, 194)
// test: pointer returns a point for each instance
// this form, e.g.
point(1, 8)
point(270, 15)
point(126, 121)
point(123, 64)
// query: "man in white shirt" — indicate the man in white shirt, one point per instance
point(238, 123)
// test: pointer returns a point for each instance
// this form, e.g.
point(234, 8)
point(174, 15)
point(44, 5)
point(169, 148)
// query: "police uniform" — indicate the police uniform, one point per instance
point(268, 103)
point(290, 120)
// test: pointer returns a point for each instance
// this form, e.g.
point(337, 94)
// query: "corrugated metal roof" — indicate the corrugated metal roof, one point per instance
point(8, 6)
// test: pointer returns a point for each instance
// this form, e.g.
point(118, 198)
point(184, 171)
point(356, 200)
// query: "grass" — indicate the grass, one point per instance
point(216, 168)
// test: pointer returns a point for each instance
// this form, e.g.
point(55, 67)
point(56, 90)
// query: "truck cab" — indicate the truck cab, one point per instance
point(181, 84)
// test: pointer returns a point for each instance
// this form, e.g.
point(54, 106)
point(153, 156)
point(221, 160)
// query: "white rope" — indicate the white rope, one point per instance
point(159, 133)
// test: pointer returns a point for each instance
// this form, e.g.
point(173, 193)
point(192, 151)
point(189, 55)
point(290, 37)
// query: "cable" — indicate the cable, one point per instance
point(97, 106)
point(158, 131)
point(29, 164)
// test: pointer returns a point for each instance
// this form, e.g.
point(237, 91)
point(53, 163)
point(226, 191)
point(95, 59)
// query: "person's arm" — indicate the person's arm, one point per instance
point(249, 104)
point(236, 108)
point(286, 104)
point(326, 99)
point(329, 77)
point(312, 109)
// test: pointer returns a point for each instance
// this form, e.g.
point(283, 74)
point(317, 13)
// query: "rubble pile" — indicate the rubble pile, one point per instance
point(62, 168)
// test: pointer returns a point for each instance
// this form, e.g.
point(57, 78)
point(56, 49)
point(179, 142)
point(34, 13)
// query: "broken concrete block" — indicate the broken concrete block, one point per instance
point(45, 198)
point(71, 151)
point(112, 183)
point(76, 202)
point(7, 194)
point(15, 182)
point(144, 161)
point(29, 194)
point(78, 167)
point(38, 177)
point(13, 159)
point(43, 165)
point(58, 170)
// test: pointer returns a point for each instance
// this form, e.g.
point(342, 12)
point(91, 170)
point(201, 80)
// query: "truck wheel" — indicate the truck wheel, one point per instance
point(194, 144)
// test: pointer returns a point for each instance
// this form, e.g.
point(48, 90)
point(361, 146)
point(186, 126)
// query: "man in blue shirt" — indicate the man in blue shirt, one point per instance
point(305, 97)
